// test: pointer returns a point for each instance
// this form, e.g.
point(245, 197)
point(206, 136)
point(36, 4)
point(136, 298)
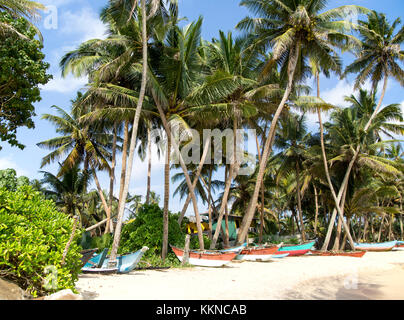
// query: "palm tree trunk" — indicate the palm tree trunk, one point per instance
point(262, 194)
point(198, 173)
point(316, 213)
point(166, 198)
point(101, 194)
point(185, 171)
point(339, 228)
point(121, 210)
point(124, 158)
point(245, 224)
point(109, 227)
point(149, 165)
point(348, 172)
point(210, 202)
point(226, 214)
point(233, 171)
point(299, 202)
point(401, 218)
point(381, 228)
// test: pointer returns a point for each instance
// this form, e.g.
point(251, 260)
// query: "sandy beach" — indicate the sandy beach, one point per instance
point(377, 275)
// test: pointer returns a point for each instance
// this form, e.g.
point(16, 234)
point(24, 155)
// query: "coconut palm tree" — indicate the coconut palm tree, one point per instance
point(29, 10)
point(291, 139)
point(85, 144)
point(295, 30)
point(377, 58)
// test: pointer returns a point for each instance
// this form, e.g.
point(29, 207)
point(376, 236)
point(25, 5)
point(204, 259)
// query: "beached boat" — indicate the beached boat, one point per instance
point(235, 249)
point(355, 254)
point(87, 255)
point(206, 258)
point(297, 250)
point(125, 263)
point(382, 246)
point(258, 253)
point(278, 256)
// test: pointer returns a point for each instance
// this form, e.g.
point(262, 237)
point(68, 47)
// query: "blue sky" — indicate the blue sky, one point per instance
point(77, 21)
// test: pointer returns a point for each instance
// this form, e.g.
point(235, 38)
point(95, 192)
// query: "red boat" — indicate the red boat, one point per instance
point(257, 253)
point(355, 254)
point(206, 258)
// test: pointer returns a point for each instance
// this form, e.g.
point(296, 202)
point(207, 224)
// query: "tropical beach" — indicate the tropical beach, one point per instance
point(161, 150)
point(375, 276)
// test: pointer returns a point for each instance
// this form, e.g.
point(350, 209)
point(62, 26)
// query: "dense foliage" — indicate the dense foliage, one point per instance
point(33, 236)
point(22, 70)
point(10, 181)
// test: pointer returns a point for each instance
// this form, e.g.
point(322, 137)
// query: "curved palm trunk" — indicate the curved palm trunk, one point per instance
point(117, 236)
point(299, 202)
point(149, 165)
point(346, 178)
point(109, 227)
point(124, 158)
point(245, 224)
point(101, 194)
point(166, 198)
point(262, 194)
point(198, 173)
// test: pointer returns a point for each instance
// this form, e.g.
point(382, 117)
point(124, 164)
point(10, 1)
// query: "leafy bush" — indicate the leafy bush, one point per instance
point(33, 236)
point(9, 180)
point(147, 230)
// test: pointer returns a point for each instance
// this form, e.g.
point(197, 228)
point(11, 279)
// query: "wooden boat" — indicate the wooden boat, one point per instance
point(125, 263)
point(235, 249)
point(206, 258)
point(355, 254)
point(297, 250)
point(87, 255)
point(258, 253)
point(382, 246)
point(400, 244)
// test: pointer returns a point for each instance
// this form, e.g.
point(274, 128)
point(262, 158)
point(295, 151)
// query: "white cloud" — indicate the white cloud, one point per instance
point(65, 85)
point(85, 24)
point(8, 163)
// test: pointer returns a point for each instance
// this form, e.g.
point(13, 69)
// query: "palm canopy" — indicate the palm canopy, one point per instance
point(82, 143)
point(379, 51)
point(284, 24)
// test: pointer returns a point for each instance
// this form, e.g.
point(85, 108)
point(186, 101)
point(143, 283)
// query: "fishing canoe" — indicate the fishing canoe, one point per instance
point(206, 258)
point(355, 254)
point(125, 263)
point(258, 253)
point(87, 255)
point(382, 246)
point(235, 249)
point(297, 250)
point(278, 256)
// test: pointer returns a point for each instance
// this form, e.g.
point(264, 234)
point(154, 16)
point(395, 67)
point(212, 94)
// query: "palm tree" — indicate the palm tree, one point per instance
point(295, 30)
point(86, 144)
point(20, 9)
point(377, 57)
point(68, 192)
point(291, 139)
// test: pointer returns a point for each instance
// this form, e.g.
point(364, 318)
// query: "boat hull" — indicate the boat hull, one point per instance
point(294, 253)
point(376, 247)
point(258, 254)
point(354, 254)
point(212, 259)
point(125, 263)
point(235, 249)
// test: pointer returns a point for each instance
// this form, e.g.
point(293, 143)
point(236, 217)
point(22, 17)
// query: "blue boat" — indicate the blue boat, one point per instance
point(125, 263)
point(277, 256)
point(382, 246)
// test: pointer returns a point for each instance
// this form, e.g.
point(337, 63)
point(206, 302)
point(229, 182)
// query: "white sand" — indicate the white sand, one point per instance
point(306, 277)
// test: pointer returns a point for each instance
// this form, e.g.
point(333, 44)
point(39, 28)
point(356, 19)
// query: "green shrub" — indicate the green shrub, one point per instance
point(33, 236)
point(147, 230)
